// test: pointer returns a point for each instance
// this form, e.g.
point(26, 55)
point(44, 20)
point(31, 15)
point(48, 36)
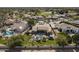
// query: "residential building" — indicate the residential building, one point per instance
point(75, 22)
point(9, 21)
point(63, 27)
point(19, 26)
point(41, 26)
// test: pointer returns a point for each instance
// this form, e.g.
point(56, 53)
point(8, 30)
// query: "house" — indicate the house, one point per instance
point(41, 26)
point(27, 15)
point(41, 31)
point(72, 13)
point(63, 27)
point(59, 15)
point(75, 22)
point(19, 26)
point(9, 21)
point(37, 17)
point(55, 16)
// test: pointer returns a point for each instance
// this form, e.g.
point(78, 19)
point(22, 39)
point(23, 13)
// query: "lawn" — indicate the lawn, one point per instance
point(41, 43)
point(26, 41)
point(3, 41)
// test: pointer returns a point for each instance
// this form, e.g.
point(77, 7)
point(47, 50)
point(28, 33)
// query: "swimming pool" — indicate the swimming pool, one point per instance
point(8, 33)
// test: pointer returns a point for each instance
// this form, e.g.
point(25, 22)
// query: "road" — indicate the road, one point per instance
point(53, 50)
point(41, 49)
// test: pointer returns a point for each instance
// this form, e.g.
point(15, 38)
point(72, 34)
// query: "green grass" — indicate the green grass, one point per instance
point(3, 41)
point(41, 43)
point(50, 42)
point(27, 41)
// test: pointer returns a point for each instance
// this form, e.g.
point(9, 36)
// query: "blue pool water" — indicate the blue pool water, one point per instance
point(8, 33)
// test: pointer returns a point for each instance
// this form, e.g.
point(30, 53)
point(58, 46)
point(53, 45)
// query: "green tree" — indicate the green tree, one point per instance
point(75, 38)
point(63, 39)
point(15, 41)
point(31, 21)
point(20, 40)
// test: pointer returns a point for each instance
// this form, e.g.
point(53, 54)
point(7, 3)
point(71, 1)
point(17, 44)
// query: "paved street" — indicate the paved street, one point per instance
point(53, 50)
